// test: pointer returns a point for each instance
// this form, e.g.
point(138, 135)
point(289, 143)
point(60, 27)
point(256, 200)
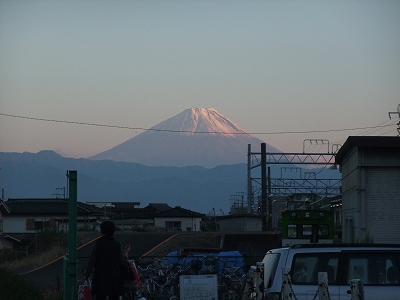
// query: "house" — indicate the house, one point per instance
point(370, 167)
point(21, 219)
point(178, 218)
point(158, 215)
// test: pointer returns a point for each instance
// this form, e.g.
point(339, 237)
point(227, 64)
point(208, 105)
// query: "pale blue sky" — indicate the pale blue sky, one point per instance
point(269, 66)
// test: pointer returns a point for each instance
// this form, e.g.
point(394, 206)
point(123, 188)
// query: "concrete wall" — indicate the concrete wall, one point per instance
point(371, 195)
point(240, 223)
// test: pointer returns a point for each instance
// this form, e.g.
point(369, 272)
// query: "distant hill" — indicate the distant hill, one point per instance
point(195, 137)
point(42, 174)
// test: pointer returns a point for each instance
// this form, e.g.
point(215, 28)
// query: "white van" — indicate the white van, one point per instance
point(377, 266)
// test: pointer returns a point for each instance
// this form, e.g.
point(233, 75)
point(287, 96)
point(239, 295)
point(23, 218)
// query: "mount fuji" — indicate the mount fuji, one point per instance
point(194, 137)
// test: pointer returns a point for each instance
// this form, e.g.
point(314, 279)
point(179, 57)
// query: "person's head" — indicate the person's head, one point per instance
point(107, 228)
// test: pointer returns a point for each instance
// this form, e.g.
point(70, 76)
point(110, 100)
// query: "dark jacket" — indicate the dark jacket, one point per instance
point(106, 262)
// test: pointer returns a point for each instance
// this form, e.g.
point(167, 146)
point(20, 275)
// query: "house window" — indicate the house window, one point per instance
point(32, 224)
point(173, 225)
point(40, 225)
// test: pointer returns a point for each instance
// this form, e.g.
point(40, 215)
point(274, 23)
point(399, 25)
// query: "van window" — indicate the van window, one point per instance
point(270, 262)
point(306, 266)
point(374, 268)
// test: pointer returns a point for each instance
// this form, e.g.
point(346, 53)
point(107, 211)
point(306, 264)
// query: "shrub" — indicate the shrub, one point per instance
point(13, 287)
point(48, 238)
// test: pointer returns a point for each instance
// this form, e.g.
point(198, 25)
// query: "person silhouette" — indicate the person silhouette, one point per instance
point(107, 264)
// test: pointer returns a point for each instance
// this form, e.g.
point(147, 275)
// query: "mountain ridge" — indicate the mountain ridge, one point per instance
point(39, 175)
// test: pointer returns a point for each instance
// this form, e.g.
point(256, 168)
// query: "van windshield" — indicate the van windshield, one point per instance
point(270, 262)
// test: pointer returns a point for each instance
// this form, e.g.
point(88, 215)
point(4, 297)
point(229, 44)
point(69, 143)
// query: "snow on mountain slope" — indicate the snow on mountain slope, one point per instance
point(196, 136)
point(200, 120)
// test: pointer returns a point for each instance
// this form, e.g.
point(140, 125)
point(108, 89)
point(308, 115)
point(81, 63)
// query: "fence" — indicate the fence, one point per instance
point(160, 277)
point(254, 286)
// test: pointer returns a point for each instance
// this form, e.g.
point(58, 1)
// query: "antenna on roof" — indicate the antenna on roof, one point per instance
point(59, 192)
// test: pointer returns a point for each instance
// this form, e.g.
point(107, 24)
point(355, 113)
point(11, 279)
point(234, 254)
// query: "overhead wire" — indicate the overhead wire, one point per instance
point(196, 132)
point(367, 132)
point(370, 131)
point(393, 130)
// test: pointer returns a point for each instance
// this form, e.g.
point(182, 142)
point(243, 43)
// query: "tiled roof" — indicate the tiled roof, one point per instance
point(137, 213)
point(124, 205)
point(120, 210)
point(179, 212)
point(45, 206)
point(18, 237)
point(154, 210)
point(127, 210)
point(159, 206)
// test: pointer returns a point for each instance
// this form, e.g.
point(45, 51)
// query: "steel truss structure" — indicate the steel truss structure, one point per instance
point(287, 186)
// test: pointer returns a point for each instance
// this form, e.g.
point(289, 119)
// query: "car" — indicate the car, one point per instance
point(377, 266)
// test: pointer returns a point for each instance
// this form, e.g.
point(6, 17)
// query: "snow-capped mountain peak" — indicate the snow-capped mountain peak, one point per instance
point(196, 136)
point(200, 120)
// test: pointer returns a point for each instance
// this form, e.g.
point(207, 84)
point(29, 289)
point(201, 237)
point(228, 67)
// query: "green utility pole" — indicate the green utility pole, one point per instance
point(70, 284)
point(264, 207)
point(269, 200)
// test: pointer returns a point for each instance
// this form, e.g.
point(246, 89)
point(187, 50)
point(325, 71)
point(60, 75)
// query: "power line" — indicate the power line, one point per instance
point(199, 132)
point(392, 130)
point(368, 132)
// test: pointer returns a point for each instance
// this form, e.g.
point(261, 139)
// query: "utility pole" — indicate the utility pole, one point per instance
point(250, 199)
point(269, 200)
point(70, 279)
point(264, 185)
point(2, 193)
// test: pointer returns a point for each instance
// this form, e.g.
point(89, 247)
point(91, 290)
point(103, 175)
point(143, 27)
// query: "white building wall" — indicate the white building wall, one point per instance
point(349, 196)
point(186, 223)
point(15, 225)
